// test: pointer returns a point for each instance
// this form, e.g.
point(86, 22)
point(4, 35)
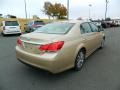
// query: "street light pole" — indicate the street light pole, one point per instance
point(68, 9)
point(90, 11)
point(106, 9)
point(25, 9)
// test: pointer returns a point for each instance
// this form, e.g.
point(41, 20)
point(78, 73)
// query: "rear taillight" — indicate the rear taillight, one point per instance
point(19, 42)
point(3, 28)
point(52, 47)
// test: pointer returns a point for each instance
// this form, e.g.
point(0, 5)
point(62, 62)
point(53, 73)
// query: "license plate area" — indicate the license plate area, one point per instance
point(33, 48)
point(28, 46)
point(12, 27)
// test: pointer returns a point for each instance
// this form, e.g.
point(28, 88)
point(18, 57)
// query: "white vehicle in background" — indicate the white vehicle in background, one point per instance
point(98, 23)
point(10, 27)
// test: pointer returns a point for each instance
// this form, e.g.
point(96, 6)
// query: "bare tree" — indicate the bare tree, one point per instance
point(35, 17)
point(47, 8)
point(55, 10)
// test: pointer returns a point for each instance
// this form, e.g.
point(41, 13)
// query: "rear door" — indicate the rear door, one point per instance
point(97, 34)
point(88, 37)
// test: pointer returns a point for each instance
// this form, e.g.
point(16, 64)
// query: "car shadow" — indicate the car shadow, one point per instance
point(40, 74)
point(12, 35)
point(47, 73)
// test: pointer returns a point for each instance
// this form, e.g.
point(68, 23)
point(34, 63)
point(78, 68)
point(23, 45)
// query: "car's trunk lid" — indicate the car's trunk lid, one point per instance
point(32, 41)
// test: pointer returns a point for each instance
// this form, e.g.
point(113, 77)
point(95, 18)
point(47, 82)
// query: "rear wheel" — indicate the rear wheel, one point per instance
point(80, 59)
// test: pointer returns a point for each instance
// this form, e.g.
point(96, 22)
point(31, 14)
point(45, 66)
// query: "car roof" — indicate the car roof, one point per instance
point(9, 20)
point(76, 21)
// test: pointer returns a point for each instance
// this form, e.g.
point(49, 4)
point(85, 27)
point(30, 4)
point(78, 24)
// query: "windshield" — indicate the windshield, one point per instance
point(55, 28)
point(11, 23)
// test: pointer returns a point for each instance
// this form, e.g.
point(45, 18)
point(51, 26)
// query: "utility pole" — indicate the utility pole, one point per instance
point(68, 9)
point(25, 10)
point(106, 8)
point(90, 5)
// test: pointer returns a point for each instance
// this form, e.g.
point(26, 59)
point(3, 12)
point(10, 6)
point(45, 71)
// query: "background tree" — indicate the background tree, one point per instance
point(55, 10)
point(47, 9)
point(108, 19)
point(62, 12)
point(35, 17)
point(0, 15)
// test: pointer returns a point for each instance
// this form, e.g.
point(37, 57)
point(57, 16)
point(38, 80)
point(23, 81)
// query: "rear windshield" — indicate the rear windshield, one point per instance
point(39, 22)
point(55, 28)
point(11, 23)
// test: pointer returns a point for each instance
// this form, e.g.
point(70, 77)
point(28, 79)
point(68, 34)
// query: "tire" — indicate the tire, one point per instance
point(80, 59)
point(102, 43)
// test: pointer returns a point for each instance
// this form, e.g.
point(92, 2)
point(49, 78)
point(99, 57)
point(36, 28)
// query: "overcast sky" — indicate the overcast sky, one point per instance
point(78, 8)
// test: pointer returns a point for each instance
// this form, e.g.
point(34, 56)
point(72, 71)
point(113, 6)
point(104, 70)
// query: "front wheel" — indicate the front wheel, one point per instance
point(79, 60)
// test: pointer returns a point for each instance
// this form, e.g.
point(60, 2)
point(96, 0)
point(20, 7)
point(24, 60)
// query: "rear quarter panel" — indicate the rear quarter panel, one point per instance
point(71, 47)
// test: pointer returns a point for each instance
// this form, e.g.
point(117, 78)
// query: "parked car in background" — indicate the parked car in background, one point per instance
point(98, 23)
point(116, 22)
point(110, 23)
point(105, 25)
point(32, 25)
point(10, 27)
point(60, 45)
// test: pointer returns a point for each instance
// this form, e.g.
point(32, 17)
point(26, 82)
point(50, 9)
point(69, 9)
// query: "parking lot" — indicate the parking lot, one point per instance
point(100, 72)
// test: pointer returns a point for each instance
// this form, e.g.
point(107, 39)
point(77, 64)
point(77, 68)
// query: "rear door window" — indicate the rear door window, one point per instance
point(11, 23)
point(85, 28)
point(94, 27)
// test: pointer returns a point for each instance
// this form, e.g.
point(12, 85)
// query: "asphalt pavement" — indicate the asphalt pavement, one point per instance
point(100, 72)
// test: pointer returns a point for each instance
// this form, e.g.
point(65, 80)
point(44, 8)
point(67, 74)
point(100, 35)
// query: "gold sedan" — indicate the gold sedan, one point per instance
point(59, 46)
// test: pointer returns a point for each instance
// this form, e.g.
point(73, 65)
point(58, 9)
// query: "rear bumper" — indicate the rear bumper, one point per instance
point(11, 32)
point(47, 62)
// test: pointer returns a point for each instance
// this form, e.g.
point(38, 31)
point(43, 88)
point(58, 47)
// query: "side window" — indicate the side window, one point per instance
point(85, 28)
point(94, 27)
